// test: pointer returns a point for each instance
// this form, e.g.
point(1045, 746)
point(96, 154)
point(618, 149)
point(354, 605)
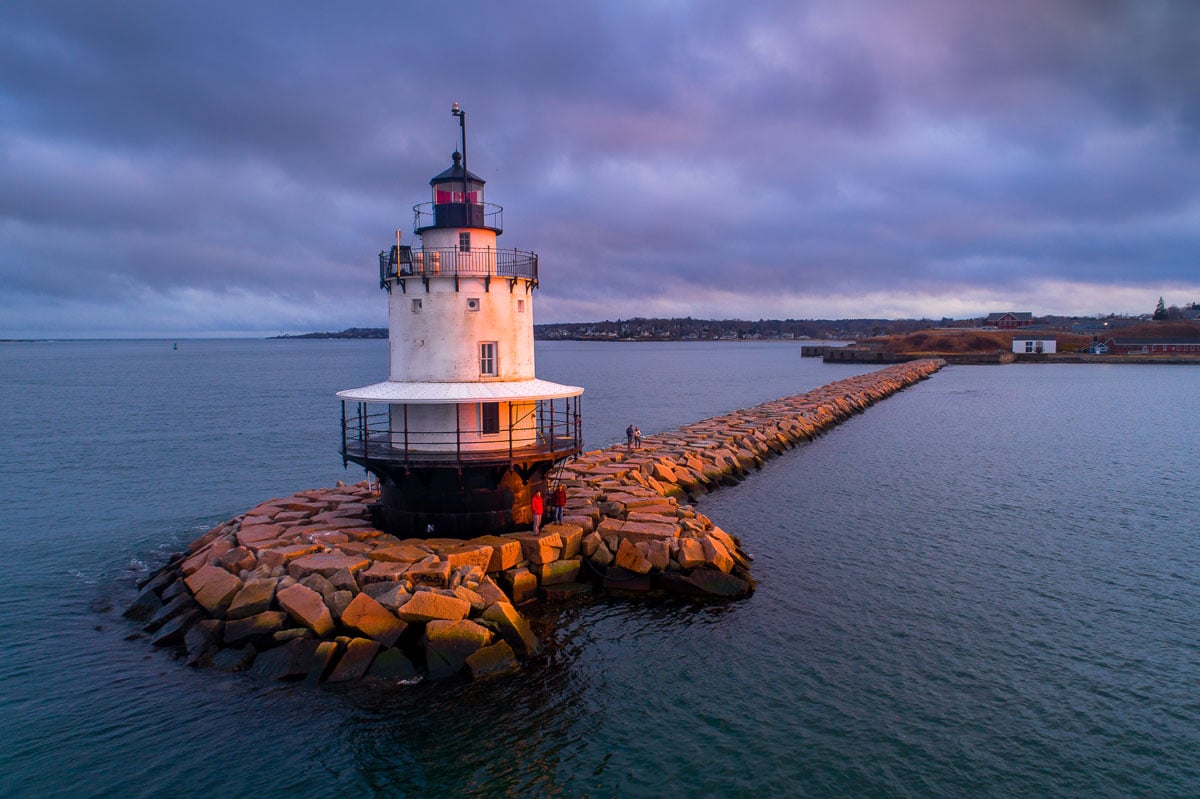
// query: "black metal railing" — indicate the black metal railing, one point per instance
point(482, 215)
point(404, 262)
point(551, 428)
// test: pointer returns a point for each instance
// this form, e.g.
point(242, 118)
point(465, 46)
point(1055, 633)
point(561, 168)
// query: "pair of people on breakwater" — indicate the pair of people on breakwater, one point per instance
point(558, 502)
point(633, 437)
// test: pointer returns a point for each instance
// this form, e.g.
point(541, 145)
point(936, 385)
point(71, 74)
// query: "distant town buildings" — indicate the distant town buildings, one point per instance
point(1102, 328)
point(688, 329)
point(1007, 320)
point(1085, 326)
point(1153, 346)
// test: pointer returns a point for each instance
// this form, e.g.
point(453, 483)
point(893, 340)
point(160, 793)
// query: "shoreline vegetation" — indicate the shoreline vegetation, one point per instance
point(893, 341)
point(1174, 342)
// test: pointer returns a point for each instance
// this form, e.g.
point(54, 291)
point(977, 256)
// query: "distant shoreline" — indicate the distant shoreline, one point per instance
point(382, 333)
point(348, 333)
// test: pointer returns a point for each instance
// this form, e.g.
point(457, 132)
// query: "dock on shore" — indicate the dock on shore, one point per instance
point(302, 587)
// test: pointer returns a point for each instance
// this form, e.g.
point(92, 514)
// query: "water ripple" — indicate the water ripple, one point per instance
point(974, 589)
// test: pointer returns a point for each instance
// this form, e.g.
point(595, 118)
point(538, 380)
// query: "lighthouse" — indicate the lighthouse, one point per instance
point(462, 434)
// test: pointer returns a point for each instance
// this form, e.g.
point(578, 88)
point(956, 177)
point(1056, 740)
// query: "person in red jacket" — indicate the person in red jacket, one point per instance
point(538, 506)
point(558, 501)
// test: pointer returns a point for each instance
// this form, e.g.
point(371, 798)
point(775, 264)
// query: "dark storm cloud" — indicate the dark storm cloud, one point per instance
point(171, 166)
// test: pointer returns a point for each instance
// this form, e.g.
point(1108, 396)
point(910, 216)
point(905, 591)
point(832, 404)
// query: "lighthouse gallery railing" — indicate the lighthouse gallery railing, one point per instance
point(404, 262)
point(486, 215)
point(371, 432)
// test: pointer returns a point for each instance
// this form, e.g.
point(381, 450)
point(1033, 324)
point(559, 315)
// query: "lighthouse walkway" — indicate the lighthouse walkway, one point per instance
point(303, 587)
point(382, 448)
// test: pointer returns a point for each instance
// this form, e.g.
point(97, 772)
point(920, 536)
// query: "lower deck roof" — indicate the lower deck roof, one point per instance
point(396, 393)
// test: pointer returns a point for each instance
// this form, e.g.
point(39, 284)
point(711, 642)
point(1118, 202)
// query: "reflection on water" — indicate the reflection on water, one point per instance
point(985, 585)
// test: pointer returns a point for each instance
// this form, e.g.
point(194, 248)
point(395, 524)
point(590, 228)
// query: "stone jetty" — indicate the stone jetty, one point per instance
point(304, 587)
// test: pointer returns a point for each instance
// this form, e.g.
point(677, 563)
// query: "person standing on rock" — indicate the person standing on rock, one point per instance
point(558, 501)
point(637, 438)
point(629, 437)
point(538, 506)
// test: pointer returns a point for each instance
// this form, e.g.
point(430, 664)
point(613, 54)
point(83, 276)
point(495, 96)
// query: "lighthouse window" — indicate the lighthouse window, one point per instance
point(487, 359)
point(472, 303)
point(520, 306)
point(416, 305)
point(489, 418)
point(464, 242)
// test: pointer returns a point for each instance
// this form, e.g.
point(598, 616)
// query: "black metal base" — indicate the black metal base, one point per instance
point(454, 502)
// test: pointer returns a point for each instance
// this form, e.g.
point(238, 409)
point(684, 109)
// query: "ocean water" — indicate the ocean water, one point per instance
point(986, 585)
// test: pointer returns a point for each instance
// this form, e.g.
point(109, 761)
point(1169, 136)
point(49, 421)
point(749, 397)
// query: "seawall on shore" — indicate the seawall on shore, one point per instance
point(853, 354)
point(302, 587)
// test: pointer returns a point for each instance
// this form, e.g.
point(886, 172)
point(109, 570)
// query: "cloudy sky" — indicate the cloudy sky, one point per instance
point(233, 168)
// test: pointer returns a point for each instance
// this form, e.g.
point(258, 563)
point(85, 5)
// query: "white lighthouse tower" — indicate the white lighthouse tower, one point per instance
point(462, 433)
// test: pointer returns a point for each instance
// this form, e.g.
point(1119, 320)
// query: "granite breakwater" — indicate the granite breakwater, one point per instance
point(303, 587)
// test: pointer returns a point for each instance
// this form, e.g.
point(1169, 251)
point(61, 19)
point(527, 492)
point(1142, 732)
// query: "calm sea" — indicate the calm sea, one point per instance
point(987, 585)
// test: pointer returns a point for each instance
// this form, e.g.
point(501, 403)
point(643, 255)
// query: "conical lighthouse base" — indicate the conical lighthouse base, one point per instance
point(449, 502)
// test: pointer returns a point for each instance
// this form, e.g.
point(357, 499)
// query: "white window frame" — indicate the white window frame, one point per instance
point(489, 359)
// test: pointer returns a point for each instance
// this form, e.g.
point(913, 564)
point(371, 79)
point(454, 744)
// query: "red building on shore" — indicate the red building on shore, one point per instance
point(1008, 320)
point(1153, 346)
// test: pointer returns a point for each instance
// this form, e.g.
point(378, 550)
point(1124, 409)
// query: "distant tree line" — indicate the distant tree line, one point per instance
point(350, 332)
point(1163, 312)
point(687, 329)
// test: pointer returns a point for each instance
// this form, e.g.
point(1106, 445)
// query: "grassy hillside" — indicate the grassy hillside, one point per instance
point(960, 342)
point(951, 342)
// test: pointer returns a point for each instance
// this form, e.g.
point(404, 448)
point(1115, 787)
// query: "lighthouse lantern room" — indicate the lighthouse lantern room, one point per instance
point(462, 433)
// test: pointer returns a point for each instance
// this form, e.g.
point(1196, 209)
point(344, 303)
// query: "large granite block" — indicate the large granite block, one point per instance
point(366, 616)
point(506, 552)
point(254, 597)
point(513, 628)
point(496, 660)
point(255, 628)
point(540, 548)
point(307, 607)
point(428, 606)
point(325, 564)
point(355, 660)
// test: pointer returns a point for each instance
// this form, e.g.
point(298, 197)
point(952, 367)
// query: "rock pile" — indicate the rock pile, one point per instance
point(630, 504)
point(304, 586)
